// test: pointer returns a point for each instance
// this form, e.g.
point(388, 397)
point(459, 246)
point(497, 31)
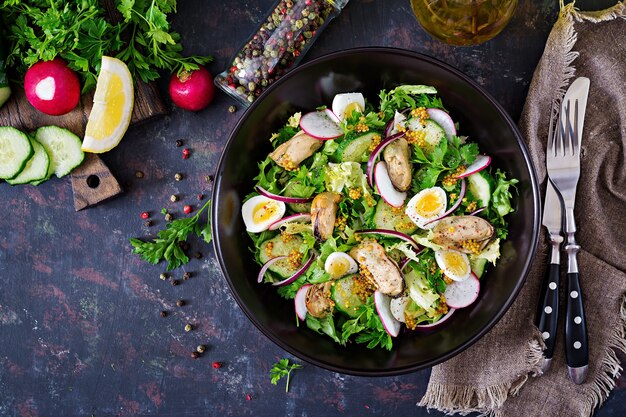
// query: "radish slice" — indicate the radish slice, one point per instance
point(267, 265)
point(481, 162)
point(296, 275)
point(300, 217)
point(386, 189)
point(460, 294)
point(300, 301)
point(454, 206)
point(292, 200)
point(391, 325)
point(333, 116)
point(321, 125)
point(473, 213)
point(371, 162)
point(438, 323)
point(397, 307)
point(444, 120)
point(392, 233)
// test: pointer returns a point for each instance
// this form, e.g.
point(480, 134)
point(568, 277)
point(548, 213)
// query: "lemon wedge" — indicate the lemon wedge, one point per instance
point(112, 107)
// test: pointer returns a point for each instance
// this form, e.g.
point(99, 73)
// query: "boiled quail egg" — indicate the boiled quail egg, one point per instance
point(426, 206)
point(455, 265)
point(260, 212)
point(339, 264)
point(345, 104)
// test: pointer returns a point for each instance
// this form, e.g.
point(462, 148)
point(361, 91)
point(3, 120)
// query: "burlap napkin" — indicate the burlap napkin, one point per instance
point(499, 375)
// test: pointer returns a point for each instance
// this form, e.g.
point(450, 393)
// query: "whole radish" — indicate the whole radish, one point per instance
point(192, 90)
point(52, 87)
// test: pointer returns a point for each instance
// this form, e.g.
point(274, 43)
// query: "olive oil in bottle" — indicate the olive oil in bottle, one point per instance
point(463, 22)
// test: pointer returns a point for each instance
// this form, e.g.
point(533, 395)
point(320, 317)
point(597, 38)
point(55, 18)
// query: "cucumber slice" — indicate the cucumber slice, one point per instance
point(36, 168)
point(480, 187)
point(5, 93)
point(391, 218)
point(297, 207)
point(63, 147)
point(357, 150)
point(15, 152)
point(478, 265)
point(280, 247)
point(434, 132)
point(344, 294)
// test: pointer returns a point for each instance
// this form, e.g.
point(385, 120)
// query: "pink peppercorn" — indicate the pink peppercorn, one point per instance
point(187, 209)
point(145, 215)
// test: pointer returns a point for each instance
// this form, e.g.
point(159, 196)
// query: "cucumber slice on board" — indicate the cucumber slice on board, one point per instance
point(15, 151)
point(36, 168)
point(63, 147)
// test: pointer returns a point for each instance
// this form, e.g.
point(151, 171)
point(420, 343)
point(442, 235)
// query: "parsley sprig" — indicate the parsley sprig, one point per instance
point(79, 32)
point(166, 246)
point(281, 369)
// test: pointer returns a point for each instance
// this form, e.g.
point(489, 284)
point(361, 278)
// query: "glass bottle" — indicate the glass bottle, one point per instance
point(463, 22)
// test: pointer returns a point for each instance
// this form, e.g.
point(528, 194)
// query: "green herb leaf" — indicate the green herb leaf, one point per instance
point(281, 369)
point(166, 246)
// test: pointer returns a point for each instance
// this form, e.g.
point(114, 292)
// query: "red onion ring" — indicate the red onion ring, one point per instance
point(296, 275)
point(292, 200)
point(293, 218)
point(266, 266)
point(392, 233)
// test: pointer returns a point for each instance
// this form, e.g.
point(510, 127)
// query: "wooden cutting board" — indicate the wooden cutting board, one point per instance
point(92, 181)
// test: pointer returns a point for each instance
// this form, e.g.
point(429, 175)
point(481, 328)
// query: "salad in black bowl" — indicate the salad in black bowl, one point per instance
point(374, 215)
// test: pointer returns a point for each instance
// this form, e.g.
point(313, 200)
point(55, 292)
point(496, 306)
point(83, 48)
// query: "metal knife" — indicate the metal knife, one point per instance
point(576, 339)
point(548, 308)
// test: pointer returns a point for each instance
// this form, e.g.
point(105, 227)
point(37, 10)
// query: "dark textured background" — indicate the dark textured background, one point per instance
point(80, 332)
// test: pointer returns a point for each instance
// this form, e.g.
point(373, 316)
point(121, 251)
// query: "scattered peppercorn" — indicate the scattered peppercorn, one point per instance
point(185, 153)
point(180, 303)
point(174, 282)
point(248, 397)
point(168, 217)
point(163, 276)
point(188, 327)
point(187, 209)
point(179, 143)
point(216, 365)
point(186, 275)
point(198, 255)
point(200, 197)
point(232, 109)
point(183, 245)
point(173, 198)
point(201, 349)
point(195, 355)
point(138, 174)
point(178, 176)
point(145, 215)
point(163, 313)
point(148, 223)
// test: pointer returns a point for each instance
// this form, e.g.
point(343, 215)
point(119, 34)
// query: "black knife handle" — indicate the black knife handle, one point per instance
point(548, 308)
point(576, 342)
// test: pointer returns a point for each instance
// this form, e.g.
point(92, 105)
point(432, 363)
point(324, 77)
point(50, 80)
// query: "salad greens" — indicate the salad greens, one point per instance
point(440, 163)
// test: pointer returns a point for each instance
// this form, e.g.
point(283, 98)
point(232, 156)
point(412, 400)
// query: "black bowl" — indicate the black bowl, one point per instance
point(368, 70)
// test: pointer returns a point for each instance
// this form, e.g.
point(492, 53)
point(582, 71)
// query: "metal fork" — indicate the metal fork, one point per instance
point(563, 163)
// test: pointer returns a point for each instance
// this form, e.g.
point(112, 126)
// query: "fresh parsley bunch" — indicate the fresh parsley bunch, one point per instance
point(80, 33)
